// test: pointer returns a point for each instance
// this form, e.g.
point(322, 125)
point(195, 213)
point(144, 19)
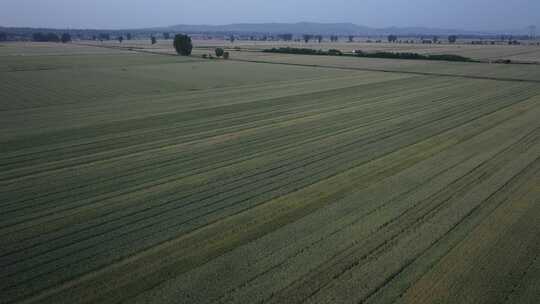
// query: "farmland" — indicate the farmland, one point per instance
point(519, 53)
point(269, 178)
point(524, 53)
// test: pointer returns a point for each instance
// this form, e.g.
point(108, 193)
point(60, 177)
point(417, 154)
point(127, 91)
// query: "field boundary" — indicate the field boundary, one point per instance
point(394, 71)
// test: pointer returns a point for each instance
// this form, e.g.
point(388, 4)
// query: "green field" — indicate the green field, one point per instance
point(139, 178)
point(527, 52)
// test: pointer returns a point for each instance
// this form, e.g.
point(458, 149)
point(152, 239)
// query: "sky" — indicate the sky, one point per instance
point(124, 14)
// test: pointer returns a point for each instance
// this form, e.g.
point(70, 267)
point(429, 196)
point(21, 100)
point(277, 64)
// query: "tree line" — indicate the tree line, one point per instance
point(51, 37)
point(358, 53)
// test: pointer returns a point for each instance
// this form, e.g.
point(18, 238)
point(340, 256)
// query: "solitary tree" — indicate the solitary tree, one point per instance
point(183, 45)
point(153, 40)
point(452, 39)
point(392, 38)
point(435, 39)
point(128, 36)
point(351, 38)
point(232, 39)
point(166, 36)
point(226, 55)
point(120, 39)
point(219, 52)
point(3, 36)
point(319, 38)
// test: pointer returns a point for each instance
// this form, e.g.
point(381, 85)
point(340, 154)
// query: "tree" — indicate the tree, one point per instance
point(452, 39)
point(66, 38)
point(219, 52)
point(120, 39)
point(52, 37)
point(307, 37)
point(435, 39)
point(351, 38)
point(232, 39)
point(166, 36)
point(226, 55)
point(49, 37)
point(153, 40)
point(128, 36)
point(392, 38)
point(38, 37)
point(319, 38)
point(183, 45)
point(3, 36)
point(285, 37)
point(104, 36)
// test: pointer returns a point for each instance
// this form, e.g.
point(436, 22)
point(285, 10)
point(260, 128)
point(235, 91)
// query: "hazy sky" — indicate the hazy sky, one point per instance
point(461, 14)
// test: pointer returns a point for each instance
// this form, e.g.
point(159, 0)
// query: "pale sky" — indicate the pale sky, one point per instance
point(111, 14)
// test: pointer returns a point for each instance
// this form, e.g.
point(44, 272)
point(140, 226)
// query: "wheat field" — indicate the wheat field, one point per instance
point(137, 178)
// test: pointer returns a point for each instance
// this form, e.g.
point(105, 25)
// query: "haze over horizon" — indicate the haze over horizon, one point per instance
point(123, 14)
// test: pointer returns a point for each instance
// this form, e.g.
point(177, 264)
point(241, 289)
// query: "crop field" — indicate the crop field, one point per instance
point(520, 53)
point(524, 52)
point(129, 177)
point(511, 72)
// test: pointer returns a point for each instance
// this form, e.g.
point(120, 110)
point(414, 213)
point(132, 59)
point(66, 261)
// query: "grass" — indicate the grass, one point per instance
point(145, 178)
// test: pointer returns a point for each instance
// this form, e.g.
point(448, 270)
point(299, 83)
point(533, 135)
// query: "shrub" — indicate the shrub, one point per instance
point(226, 55)
point(334, 52)
point(219, 52)
point(503, 61)
point(289, 50)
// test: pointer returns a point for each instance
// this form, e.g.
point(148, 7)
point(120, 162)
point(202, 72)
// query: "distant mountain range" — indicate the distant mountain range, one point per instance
point(288, 28)
point(329, 29)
